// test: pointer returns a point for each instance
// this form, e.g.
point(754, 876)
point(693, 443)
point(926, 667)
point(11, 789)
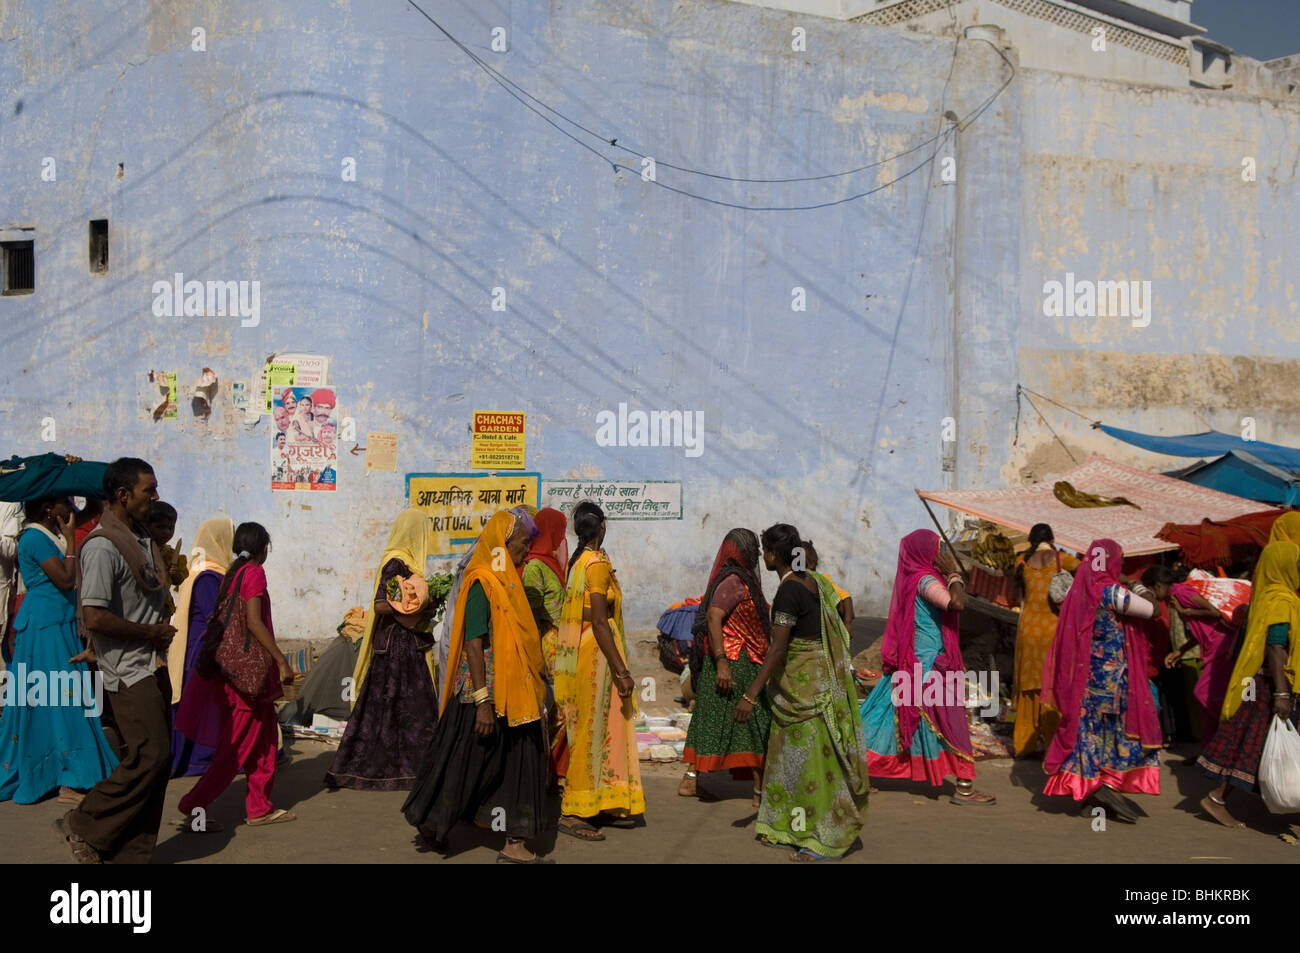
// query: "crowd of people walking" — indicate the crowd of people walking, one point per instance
point(517, 710)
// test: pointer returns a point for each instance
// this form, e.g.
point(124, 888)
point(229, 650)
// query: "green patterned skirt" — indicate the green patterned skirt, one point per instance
point(815, 786)
point(715, 741)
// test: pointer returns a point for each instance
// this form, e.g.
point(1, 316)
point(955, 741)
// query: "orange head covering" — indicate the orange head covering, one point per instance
point(551, 527)
point(519, 690)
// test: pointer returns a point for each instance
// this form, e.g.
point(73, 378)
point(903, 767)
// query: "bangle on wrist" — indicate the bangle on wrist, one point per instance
point(479, 696)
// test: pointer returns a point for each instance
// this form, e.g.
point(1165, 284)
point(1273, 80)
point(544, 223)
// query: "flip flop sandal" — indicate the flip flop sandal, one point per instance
point(70, 796)
point(622, 823)
point(764, 842)
point(504, 858)
point(186, 826)
point(278, 816)
point(969, 799)
point(81, 850)
point(805, 856)
point(573, 829)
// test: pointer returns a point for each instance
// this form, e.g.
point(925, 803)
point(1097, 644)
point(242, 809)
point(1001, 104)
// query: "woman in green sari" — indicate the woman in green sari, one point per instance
point(815, 779)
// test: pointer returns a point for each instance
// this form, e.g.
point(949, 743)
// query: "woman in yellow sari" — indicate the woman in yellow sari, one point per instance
point(487, 760)
point(593, 688)
point(1264, 680)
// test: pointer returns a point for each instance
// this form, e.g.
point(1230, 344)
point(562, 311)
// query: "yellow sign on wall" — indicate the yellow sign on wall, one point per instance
point(462, 503)
point(498, 441)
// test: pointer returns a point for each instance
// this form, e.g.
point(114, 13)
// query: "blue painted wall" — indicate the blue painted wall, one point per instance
point(617, 290)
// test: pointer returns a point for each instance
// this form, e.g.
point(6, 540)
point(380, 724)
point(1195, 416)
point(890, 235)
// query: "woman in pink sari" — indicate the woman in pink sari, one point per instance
point(914, 724)
point(1108, 739)
point(1218, 642)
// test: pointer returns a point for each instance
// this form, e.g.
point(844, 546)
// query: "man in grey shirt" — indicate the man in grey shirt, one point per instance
point(123, 595)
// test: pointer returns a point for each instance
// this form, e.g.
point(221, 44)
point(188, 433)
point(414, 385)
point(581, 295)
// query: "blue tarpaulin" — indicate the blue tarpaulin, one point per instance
point(1245, 475)
point(1212, 443)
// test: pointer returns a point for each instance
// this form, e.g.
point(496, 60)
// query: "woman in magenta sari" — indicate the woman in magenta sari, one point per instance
point(1218, 642)
point(915, 723)
point(1108, 739)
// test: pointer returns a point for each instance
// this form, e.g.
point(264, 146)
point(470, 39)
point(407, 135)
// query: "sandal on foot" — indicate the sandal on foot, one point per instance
point(186, 826)
point(82, 851)
point(805, 856)
point(975, 797)
point(622, 823)
point(1114, 805)
point(764, 842)
point(278, 816)
point(573, 830)
point(71, 796)
point(688, 788)
point(504, 858)
point(1235, 826)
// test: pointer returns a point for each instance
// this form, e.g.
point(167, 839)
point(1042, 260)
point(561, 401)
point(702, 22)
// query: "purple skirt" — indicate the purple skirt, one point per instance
point(393, 718)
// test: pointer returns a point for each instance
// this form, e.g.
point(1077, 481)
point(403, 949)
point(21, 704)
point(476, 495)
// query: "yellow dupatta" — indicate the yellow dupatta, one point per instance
point(213, 545)
point(518, 687)
point(570, 639)
point(409, 542)
point(1273, 599)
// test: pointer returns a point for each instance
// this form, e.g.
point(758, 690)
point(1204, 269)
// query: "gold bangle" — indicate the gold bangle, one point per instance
point(480, 696)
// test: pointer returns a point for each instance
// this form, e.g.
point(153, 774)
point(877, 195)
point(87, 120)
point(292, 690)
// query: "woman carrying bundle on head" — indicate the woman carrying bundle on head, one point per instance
point(394, 705)
point(50, 741)
point(815, 777)
point(486, 762)
point(593, 688)
point(1034, 633)
point(1108, 739)
point(915, 722)
point(732, 629)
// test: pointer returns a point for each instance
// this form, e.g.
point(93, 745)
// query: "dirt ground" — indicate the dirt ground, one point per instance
point(906, 824)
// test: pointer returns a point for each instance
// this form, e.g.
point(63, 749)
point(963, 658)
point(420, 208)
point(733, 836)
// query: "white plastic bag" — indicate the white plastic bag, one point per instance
point(1279, 768)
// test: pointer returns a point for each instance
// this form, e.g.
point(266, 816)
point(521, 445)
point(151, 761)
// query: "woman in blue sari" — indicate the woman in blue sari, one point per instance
point(50, 735)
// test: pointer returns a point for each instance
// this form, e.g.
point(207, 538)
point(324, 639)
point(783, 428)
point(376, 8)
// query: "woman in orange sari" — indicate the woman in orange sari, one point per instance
point(1035, 725)
point(487, 760)
point(593, 688)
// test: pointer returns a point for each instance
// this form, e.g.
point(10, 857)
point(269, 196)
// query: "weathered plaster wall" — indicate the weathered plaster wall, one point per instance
point(1146, 184)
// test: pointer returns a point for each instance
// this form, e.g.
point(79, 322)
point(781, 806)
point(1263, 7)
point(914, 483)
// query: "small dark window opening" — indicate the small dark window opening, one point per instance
point(98, 246)
point(19, 267)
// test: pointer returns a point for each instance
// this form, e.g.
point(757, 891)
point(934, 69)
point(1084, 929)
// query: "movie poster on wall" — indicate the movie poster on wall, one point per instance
point(304, 451)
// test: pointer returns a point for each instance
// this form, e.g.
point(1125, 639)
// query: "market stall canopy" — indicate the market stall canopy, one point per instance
point(1212, 443)
point(34, 478)
point(1221, 542)
point(1244, 474)
point(1162, 500)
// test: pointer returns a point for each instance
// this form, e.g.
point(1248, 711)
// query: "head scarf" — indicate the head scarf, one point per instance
point(518, 686)
point(737, 556)
point(1066, 669)
point(551, 546)
point(410, 541)
point(212, 552)
point(523, 512)
point(1286, 528)
point(1273, 599)
point(917, 552)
